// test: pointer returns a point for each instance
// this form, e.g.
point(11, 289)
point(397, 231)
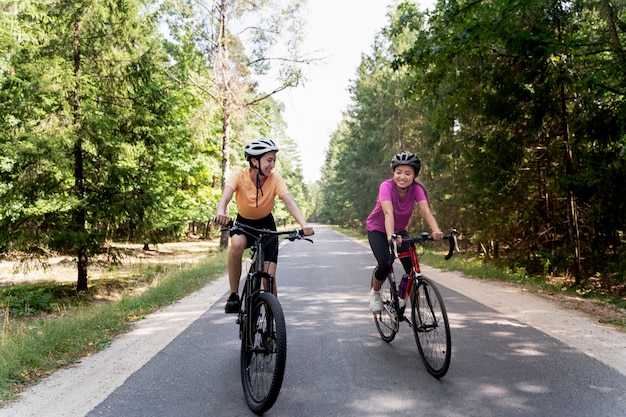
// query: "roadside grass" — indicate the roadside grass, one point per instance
point(47, 326)
point(473, 266)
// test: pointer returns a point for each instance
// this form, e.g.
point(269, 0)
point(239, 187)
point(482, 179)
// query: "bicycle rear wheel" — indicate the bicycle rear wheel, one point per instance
point(431, 327)
point(264, 353)
point(387, 319)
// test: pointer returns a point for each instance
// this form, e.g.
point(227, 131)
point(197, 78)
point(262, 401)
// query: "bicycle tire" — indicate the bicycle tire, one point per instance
point(431, 327)
point(264, 353)
point(386, 320)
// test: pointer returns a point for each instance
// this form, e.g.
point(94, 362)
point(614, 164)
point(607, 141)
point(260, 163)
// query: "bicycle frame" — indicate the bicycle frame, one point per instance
point(414, 276)
point(254, 283)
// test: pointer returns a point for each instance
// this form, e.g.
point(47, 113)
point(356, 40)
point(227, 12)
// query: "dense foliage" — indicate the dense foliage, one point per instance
point(517, 109)
point(110, 127)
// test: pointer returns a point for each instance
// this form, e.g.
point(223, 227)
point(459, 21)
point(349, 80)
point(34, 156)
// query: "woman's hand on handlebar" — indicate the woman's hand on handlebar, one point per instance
point(397, 238)
point(394, 243)
point(438, 235)
point(308, 230)
point(221, 219)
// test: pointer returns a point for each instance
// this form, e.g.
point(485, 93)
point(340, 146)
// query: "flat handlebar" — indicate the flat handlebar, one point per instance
point(249, 230)
point(425, 237)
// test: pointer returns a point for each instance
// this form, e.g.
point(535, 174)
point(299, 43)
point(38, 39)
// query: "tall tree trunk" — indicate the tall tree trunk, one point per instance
point(574, 226)
point(226, 156)
point(226, 102)
point(80, 215)
point(82, 261)
point(608, 11)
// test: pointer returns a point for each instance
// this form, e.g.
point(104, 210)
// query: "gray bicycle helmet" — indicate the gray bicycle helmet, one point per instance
point(259, 147)
point(406, 158)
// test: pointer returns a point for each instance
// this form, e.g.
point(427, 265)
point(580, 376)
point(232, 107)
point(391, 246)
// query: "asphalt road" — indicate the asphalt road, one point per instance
point(513, 354)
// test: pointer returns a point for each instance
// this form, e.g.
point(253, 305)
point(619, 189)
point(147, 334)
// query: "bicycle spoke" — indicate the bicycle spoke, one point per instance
point(386, 320)
point(264, 354)
point(431, 328)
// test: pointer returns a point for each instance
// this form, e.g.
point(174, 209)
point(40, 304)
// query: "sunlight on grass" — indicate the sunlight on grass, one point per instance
point(77, 326)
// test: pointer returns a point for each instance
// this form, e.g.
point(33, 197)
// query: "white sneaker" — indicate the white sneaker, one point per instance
point(375, 304)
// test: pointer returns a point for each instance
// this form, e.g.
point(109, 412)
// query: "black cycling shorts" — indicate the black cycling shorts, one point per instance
point(270, 245)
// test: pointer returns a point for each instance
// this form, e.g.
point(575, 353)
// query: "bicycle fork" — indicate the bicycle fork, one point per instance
point(259, 340)
point(426, 319)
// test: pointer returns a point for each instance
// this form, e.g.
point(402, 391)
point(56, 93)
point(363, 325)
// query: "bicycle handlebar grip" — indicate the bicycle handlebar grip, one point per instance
point(223, 229)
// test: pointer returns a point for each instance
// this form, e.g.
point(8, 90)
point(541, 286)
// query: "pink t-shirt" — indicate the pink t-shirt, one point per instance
point(402, 206)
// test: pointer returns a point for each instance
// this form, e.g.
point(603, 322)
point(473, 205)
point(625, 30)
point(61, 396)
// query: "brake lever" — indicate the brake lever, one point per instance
point(394, 249)
point(298, 235)
point(303, 237)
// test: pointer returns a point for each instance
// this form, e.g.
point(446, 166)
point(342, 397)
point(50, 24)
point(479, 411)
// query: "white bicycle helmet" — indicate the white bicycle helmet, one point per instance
point(259, 147)
point(406, 158)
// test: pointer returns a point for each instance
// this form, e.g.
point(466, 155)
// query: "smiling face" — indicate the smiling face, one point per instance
point(267, 163)
point(403, 176)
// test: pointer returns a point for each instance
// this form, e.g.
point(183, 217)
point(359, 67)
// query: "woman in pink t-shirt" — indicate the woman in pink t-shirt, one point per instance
point(394, 206)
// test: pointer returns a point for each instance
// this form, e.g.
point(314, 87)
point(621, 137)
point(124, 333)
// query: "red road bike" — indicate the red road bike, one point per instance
point(428, 317)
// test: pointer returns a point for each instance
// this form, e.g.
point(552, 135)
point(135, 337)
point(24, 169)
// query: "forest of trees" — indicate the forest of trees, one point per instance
point(517, 110)
point(120, 118)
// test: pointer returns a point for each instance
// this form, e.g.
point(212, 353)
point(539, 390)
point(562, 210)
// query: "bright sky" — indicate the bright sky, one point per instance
point(341, 30)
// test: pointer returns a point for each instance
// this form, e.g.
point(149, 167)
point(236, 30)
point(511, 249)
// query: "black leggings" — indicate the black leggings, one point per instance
point(380, 247)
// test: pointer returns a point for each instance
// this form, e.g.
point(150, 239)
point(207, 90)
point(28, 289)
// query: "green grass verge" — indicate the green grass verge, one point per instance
point(473, 266)
point(30, 350)
point(470, 265)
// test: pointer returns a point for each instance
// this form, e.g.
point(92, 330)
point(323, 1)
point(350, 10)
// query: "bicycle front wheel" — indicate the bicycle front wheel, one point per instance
point(387, 319)
point(431, 327)
point(264, 353)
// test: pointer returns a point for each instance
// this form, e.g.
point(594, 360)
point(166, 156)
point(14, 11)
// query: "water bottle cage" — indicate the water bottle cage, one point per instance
point(403, 286)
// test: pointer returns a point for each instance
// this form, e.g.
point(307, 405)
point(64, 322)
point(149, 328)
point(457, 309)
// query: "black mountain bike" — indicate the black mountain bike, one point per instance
point(261, 325)
point(429, 319)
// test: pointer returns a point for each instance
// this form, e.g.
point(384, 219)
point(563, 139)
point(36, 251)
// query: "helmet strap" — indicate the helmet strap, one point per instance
point(259, 173)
